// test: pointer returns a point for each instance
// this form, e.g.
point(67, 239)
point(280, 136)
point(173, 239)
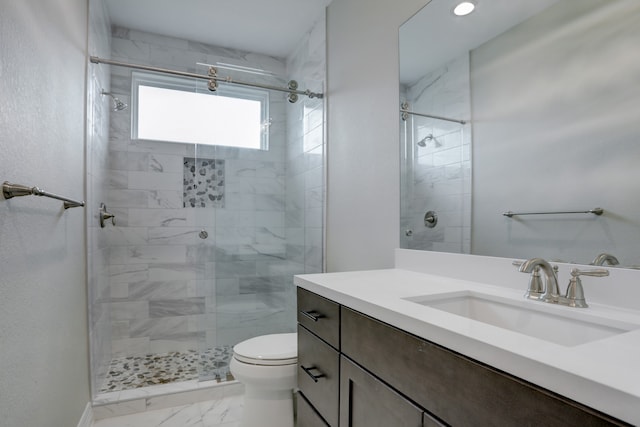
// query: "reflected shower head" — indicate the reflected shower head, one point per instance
point(117, 104)
point(430, 137)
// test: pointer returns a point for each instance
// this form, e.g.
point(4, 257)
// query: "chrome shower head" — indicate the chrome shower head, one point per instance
point(117, 104)
point(430, 137)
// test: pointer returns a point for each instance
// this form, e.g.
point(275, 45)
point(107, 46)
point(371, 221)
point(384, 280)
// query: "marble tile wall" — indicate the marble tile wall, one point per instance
point(438, 176)
point(170, 289)
point(98, 110)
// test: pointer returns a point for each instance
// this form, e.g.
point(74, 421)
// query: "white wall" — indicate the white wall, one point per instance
point(363, 200)
point(43, 323)
point(563, 137)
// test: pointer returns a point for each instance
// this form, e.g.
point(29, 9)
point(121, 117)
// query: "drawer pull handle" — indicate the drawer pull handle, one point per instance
point(313, 315)
point(313, 376)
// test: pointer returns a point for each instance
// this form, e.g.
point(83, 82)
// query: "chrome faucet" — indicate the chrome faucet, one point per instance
point(603, 258)
point(551, 291)
point(575, 293)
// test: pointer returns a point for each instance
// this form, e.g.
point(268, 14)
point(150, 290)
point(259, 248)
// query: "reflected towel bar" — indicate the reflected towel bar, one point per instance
point(595, 211)
point(10, 190)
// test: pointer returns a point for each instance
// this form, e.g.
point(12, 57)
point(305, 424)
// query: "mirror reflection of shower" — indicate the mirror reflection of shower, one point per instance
point(429, 138)
point(118, 105)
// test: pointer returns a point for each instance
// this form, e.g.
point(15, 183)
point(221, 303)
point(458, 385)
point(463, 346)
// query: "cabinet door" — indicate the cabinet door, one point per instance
point(318, 374)
point(366, 402)
point(306, 415)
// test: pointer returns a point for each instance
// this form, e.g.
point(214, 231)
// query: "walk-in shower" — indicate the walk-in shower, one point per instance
point(207, 237)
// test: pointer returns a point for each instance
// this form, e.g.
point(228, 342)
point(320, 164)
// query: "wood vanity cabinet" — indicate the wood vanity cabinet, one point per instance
point(390, 378)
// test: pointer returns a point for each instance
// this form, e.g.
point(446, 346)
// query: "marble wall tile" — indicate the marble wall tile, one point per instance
point(126, 310)
point(128, 273)
point(176, 235)
point(165, 199)
point(184, 307)
point(147, 254)
point(158, 328)
point(159, 290)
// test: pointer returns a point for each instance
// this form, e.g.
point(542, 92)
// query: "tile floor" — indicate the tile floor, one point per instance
point(224, 412)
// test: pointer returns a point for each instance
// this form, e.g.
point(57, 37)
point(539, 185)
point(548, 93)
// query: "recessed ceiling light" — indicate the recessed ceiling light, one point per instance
point(464, 8)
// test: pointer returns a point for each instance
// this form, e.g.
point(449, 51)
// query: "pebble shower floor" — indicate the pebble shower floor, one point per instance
point(126, 373)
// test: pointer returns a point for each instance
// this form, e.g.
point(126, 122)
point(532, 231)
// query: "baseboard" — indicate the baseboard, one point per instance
point(86, 420)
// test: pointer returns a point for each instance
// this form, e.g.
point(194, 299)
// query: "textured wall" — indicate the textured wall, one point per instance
point(363, 191)
point(43, 321)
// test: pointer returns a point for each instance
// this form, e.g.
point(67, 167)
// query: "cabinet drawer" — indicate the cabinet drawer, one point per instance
point(456, 389)
point(319, 315)
point(318, 374)
point(306, 416)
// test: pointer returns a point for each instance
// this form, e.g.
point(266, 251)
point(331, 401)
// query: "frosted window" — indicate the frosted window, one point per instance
point(181, 110)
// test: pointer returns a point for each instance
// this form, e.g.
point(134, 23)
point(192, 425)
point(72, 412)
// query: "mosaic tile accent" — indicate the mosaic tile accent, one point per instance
point(131, 372)
point(203, 183)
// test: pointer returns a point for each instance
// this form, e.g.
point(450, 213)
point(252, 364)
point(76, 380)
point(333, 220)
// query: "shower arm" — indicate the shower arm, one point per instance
point(213, 78)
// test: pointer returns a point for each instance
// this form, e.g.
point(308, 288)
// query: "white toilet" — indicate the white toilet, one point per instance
point(267, 366)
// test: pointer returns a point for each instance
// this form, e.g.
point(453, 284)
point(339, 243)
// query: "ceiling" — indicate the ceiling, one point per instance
point(426, 42)
point(270, 27)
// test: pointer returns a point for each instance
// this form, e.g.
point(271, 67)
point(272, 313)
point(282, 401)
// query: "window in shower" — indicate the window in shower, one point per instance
point(177, 109)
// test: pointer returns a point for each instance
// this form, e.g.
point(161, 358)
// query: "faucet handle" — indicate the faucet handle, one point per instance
point(536, 287)
point(575, 291)
point(596, 272)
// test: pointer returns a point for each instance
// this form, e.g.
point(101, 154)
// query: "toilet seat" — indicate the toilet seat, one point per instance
point(268, 350)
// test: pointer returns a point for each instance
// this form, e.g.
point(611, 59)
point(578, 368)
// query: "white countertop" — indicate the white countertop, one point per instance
point(602, 374)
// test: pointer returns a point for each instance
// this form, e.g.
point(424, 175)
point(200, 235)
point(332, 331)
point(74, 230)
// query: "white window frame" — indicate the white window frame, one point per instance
point(139, 78)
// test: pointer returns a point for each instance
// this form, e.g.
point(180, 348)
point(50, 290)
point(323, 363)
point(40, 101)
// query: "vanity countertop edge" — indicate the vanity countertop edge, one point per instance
point(602, 374)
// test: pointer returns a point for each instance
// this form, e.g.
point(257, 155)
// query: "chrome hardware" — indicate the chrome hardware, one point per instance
point(293, 85)
point(408, 232)
point(292, 98)
point(104, 216)
point(536, 287)
point(430, 219)
point(575, 293)
point(203, 234)
point(595, 211)
point(574, 297)
point(10, 190)
point(212, 85)
point(605, 258)
point(226, 79)
point(313, 315)
point(404, 110)
point(551, 292)
point(213, 72)
point(314, 377)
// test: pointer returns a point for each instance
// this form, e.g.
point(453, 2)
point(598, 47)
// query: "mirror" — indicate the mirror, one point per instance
point(541, 102)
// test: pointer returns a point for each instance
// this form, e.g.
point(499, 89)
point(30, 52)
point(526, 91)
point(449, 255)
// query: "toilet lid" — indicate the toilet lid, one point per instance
point(274, 349)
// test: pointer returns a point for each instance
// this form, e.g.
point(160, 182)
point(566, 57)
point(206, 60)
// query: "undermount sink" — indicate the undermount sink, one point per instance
point(568, 327)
